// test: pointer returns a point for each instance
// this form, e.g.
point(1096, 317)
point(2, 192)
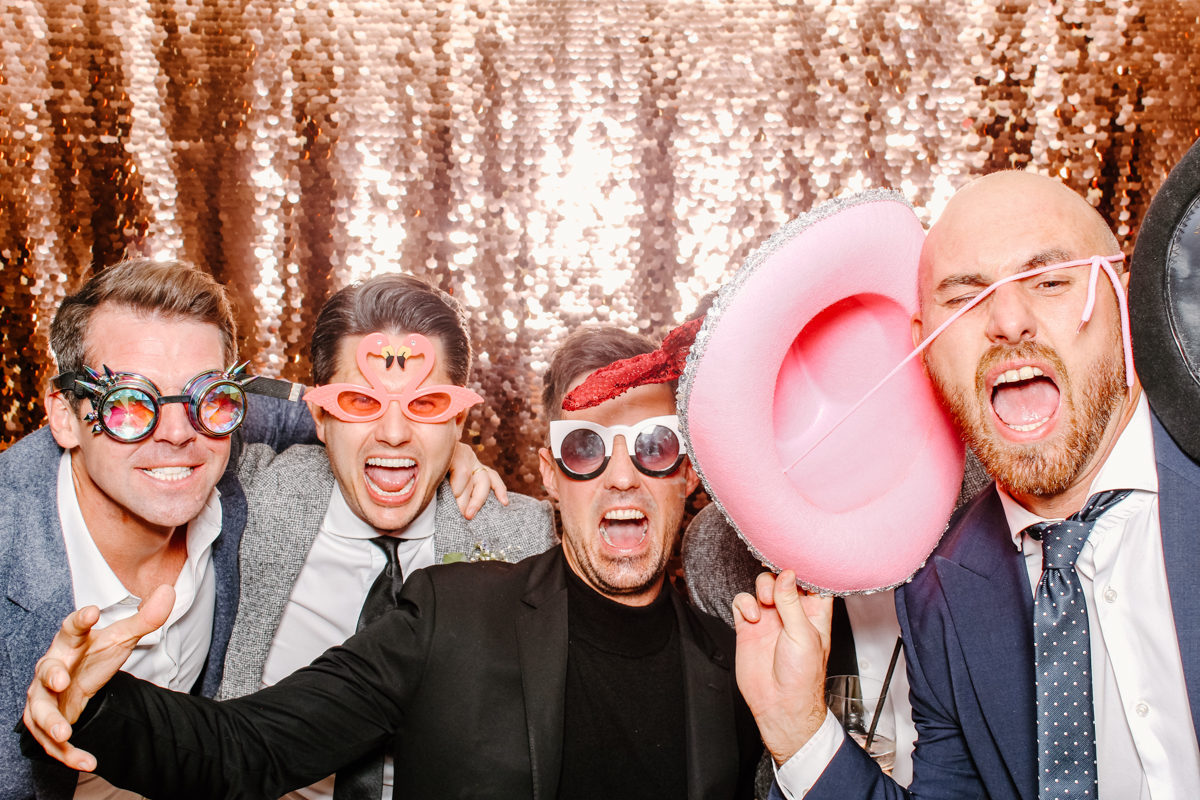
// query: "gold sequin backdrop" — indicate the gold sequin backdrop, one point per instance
point(551, 162)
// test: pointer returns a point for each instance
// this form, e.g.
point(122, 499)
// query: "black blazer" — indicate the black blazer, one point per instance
point(468, 675)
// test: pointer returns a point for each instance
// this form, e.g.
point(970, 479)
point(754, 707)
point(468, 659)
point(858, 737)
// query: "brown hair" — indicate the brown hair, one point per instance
point(170, 289)
point(391, 302)
point(583, 351)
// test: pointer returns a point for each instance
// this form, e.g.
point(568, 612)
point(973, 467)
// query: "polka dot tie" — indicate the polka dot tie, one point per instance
point(1062, 645)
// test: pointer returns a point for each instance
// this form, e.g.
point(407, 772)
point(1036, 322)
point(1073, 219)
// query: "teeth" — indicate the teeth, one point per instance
point(1022, 374)
point(407, 487)
point(391, 462)
point(1031, 426)
point(625, 513)
point(170, 473)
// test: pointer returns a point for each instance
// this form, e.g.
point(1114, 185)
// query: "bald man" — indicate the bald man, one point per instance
point(1053, 638)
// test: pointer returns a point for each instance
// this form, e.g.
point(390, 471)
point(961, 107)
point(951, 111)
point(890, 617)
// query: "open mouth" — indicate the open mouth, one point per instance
point(391, 477)
point(624, 528)
point(169, 474)
point(1025, 399)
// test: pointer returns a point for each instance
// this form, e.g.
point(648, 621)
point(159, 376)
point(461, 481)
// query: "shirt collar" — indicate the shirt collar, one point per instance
point(340, 520)
point(93, 581)
point(1130, 465)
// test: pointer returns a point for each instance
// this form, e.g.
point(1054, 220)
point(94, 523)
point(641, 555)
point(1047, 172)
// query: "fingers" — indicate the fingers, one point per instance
point(497, 484)
point(764, 587)
point(52, 673)
point(462, 465)
point(77, 625)
point(745, 609)
point(152, 613)
point(480, 487)
point(800, 610)
point(51, 730)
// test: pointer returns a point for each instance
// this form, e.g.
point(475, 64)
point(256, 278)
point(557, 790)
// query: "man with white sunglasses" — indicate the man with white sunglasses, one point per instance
point(576, 673)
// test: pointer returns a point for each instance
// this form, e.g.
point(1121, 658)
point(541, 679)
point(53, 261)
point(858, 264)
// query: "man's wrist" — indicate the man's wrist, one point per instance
point(785, 737)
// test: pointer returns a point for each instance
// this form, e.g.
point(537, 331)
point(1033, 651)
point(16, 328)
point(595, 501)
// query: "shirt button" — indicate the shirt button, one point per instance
point(128, 601)
point(1110, 595)
point(1142, 709)
point(864, 664)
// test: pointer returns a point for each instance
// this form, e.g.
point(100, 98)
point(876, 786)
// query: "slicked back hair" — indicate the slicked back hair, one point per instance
point(169, 289)
point(586, 350)
point(391, 303)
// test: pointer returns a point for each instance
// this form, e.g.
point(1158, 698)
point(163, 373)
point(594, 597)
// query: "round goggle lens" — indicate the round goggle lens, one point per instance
point(222, 409)
point(428, 406)
point(657, 450)
point(128, 414)
point(582, 451)
point(357, 404)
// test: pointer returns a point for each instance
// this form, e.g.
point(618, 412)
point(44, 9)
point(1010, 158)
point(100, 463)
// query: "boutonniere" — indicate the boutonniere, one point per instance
point(478, 553)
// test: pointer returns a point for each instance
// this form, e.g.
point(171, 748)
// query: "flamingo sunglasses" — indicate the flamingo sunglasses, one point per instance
point(352, 402)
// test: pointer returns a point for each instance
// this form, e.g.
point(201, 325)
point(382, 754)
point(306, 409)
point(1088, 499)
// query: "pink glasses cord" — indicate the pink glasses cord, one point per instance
point(1097, 263)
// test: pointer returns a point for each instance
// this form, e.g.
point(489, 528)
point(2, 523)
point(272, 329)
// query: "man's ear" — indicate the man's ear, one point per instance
point(917, 328)
point(459, 422)
point(549, 472)
point(689, 475)
point(65, 425)
point(318, 415)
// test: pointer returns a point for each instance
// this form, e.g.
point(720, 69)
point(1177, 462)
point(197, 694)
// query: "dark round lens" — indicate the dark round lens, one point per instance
point(431, 405)
point(582, 451)
point(128, 414)
point(222, 408)
point(657, 450)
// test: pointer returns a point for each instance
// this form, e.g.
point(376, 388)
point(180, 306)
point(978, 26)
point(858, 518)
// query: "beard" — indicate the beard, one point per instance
point(1049, 467)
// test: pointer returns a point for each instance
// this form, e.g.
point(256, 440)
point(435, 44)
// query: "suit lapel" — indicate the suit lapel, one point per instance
point(712, 745)
point(987, 591)
point(1179, 520)
point(542, 645)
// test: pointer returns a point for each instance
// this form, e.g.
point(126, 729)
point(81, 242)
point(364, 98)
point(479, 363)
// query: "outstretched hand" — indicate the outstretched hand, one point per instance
point(471, 481)
point(782, 647)
point(77, 665)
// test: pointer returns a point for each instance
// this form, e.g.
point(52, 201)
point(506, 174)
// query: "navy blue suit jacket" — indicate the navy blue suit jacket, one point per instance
point(36, 578)
point(967, 622)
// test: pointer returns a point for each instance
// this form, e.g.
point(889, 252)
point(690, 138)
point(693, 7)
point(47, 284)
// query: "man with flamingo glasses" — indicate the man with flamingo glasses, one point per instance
point(576, 673)
point(335, 530)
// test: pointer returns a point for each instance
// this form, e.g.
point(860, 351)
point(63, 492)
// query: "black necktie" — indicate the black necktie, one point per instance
point(1062, 650)
point(363, 778)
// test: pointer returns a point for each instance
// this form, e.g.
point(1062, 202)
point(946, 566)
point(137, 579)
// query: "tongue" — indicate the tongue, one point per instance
point(391, 479)
point(1026, 402)
point(624, 534)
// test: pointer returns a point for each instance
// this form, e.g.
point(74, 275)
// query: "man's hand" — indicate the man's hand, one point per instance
point(77, 665)
point(782, 647)
point(471, 481)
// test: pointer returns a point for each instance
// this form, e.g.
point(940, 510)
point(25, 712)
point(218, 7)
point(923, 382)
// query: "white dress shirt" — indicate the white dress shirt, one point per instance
point(876, 629)
point(174, 655)
point(1146, 745)
point(329, 594)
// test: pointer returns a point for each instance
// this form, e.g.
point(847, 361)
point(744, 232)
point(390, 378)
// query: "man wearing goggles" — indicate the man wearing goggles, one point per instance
point(1051, 638)
point(104, 508)
point(578, 673)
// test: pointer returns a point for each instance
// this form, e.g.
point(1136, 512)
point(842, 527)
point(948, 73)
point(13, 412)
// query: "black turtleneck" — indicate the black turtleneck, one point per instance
point(625, 730)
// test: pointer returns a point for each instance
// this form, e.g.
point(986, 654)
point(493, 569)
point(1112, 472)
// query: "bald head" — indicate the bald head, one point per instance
point(1011, 221)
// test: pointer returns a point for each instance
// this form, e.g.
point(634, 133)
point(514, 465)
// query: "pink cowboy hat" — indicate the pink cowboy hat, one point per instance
point(853, 499)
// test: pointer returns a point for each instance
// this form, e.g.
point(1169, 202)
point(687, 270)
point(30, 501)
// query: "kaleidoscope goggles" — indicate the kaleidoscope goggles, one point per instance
point(127, 406)
point(582, 449)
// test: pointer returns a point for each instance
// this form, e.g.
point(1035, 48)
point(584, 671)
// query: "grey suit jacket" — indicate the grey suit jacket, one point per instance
point(288, 495)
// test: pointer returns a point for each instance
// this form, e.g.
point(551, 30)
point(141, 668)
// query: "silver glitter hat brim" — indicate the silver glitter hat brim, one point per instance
point(726, 297)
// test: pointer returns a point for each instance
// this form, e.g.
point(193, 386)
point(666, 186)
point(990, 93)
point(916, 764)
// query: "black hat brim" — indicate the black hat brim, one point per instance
point(1164, 303)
